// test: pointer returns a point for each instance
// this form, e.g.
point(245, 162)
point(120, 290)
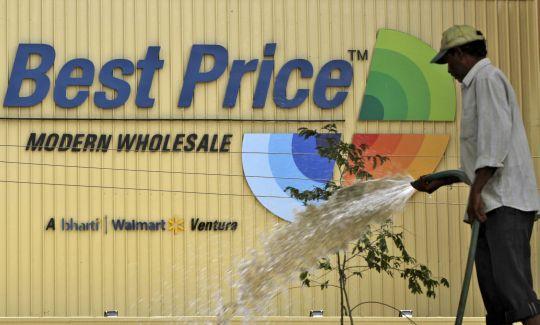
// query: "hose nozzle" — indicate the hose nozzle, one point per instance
point(452, 173)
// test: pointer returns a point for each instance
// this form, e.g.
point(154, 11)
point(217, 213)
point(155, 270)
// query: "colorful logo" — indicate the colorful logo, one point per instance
point(403, 85)
point(272, 162)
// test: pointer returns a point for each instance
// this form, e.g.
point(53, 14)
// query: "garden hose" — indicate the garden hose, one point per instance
point(459, 174)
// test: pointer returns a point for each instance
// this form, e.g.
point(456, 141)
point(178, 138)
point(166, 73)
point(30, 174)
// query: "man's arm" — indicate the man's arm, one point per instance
point(475, 206)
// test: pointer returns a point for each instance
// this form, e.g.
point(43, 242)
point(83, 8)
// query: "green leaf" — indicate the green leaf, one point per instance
point(445, 282)
point(324, 285)
point(325, 264)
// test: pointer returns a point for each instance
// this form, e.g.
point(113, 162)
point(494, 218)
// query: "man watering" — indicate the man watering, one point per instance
point(495, 155)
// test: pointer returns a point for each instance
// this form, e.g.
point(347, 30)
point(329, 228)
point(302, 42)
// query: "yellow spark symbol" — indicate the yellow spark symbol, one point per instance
point(175, 225)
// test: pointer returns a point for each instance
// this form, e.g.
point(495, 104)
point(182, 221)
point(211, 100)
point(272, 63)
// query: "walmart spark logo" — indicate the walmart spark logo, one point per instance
point(402, 86)
point(175, 225)
point(272, 162)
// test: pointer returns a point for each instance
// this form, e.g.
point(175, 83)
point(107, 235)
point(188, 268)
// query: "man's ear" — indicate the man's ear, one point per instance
point(458, 53)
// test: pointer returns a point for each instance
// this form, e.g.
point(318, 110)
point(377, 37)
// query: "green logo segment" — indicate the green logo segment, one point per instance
point(403, 86)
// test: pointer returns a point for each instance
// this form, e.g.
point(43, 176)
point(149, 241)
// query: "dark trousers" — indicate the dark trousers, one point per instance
point(503, 266)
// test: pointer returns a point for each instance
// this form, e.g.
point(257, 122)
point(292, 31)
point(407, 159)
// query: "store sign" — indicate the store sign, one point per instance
point(82, 142)
point(173, 224)
point(335, 73)
point(402, 85)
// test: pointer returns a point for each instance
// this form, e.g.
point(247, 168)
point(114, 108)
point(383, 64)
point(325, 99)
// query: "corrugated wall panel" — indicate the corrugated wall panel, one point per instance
point(45, 273)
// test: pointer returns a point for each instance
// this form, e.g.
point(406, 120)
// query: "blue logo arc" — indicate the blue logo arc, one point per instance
point(273, 162)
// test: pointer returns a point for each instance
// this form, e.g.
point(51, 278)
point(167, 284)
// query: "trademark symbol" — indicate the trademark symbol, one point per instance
point(358, 55)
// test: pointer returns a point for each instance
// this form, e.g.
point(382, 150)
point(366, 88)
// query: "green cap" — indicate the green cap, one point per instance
point(455, 36)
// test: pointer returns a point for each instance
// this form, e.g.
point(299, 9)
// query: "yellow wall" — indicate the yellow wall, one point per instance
point(45, 273)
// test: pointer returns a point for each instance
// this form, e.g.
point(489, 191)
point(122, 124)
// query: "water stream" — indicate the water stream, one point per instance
point(317, 232)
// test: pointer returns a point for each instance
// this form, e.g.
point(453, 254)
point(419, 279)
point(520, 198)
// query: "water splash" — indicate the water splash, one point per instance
point(317, 232)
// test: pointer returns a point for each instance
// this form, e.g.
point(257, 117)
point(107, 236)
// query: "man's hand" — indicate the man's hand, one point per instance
point(475, 207)
point(423, 185)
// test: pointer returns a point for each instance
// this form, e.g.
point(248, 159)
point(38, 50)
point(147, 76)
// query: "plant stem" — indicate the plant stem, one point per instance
point(344, 280)
point(340, 290)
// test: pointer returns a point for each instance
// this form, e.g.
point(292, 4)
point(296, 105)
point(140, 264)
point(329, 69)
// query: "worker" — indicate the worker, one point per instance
point(503, 196)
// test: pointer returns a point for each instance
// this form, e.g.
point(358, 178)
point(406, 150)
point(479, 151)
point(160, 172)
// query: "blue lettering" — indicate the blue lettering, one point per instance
point(325, 80)
point(239, 68)
point(282, 79)
point(64, 80)
point(20, 73)
point(193, 73)
point(106, 77)
point(148, 66)
point(267, 67)
point(80, 72)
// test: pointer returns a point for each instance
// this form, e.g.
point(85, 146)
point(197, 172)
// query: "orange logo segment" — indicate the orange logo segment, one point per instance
point(414, 154)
